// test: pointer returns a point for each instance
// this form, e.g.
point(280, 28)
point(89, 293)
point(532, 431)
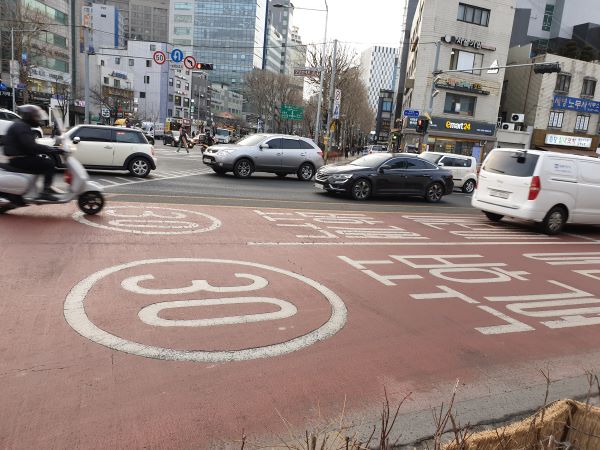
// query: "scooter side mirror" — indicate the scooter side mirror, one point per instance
point(76, 140)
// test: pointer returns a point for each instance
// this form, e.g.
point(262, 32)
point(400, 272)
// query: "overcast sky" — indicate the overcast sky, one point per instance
point(360, 23)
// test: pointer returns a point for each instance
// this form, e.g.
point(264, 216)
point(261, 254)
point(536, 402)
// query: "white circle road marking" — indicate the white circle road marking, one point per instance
point(143, 222)
point(74, 311)
point(149, 314)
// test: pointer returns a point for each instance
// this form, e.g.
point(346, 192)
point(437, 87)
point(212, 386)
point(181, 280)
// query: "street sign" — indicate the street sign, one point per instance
point(105, 112)
point(336, 104)
point(176, 55)
point(189, 62)
point(307, 72)
point(493, 68)
point(411, 113)
point(159, 57)
point(291, 112)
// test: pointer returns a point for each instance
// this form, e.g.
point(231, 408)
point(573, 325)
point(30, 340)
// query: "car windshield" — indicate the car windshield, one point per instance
point(516, 164)
point(252, 140)
point(431, 157)
point(371, 161)
point(222, 132)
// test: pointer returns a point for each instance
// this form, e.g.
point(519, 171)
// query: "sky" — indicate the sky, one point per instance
point(360, 24)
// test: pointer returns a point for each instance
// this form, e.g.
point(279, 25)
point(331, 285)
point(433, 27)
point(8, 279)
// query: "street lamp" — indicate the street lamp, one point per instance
point(12, 53)
point(326, 10)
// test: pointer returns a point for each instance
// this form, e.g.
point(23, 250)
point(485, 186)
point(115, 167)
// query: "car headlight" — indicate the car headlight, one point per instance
point(222, 153)
point(340, 177)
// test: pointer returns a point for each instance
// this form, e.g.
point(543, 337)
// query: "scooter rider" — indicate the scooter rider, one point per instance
point(24, 153)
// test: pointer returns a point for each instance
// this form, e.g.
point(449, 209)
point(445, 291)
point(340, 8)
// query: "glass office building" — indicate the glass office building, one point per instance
point(231, 35)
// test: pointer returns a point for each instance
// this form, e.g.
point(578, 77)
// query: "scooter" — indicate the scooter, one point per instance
point(19, 189)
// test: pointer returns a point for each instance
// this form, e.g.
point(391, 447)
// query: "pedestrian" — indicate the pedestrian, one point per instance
point(183, 140)
point(346, 152)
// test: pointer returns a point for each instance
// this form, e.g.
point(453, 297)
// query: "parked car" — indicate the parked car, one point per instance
point(463, 168)
point(549, 188)
point(374, 149)
point(386, 174)
point(274, 153)
point(111, 148)
point(171, 138)
point(7, 118)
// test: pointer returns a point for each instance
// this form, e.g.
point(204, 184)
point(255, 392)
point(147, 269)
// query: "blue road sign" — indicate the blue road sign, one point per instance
point(411, 113)
point(3, 87)
point(176, 55)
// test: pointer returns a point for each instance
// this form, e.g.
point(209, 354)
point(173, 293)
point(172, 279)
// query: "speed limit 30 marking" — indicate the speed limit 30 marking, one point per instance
point(153, 220)
point(76, 317)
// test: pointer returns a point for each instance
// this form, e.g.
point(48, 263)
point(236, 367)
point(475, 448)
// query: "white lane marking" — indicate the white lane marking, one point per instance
point(412, 244)
point(143, 222)
point(74, 312)
point(156, 176)
point(132, 285)
point(149, 314)
point(107, 181)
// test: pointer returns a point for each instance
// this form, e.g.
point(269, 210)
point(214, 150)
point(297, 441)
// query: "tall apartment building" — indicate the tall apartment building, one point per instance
point(108, 29)
point(465, 103)
point(148, 20)
point(279, 25)
point(377, 67)
point(231, 35)
point(181, 36)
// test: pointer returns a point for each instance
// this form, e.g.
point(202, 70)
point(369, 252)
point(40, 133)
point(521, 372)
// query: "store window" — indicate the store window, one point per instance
point(460, 104)
point(473, 14)
point(556, 119)
point(582, 122)
point(563, 82)
point(589, 87)
point(465, 61)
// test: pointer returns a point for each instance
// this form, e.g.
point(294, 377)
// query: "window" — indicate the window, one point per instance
point(130, 137)
point(387, 106)
point(117, 60)
point(563, 82)
point(106, 80)
point(548, 13)
point(556, 119)
point(117, 83)
point(148, 63)
point(171, 82)
point(186, 102)
point(102, 62)
point(509, 163)
point(180, 18)
point(131, 62)
point(582, 122)
point(291, 144)
point(177, 100)
point(146, 79)
point(90, 134)
point(275, 143)
point(142, 95)
point(187, 86)
point(182, 41)
point(306, 145)
point(460, 104)
point(473, 14)
point(170, 97)
point(183, 5)
point(589, 87)
point(152, 47)
point(178, 84)
point(179, 31)
point(397, 163)
point(463, 60)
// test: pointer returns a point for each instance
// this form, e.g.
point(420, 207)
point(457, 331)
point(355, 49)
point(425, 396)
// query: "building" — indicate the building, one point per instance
point(275, 61)
point(230, 35)
point(465, 104)
point(562, 109)
point(377, 67)
point(296, 56)
point(225, 102)
point(181, 35)
point(200, 97)
point(279, 27)
point(148, 20)
point(120, 5)
point(549, 24)
point(43, 56)
point(383, 120)
point(107, 28)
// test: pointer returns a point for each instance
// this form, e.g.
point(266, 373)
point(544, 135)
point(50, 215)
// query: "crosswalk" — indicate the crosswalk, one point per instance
point(109, 181)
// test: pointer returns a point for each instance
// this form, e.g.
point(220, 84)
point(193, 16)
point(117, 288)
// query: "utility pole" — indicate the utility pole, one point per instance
point(12, 64)
point(86, 44)
point(432, 93)
point(331, 99)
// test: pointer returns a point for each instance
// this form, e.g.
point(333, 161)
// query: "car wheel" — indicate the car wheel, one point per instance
point(243, 168)
point(219, 171)
point(554, 221)
point(306, 172)
point(468, 186)
point(91, 203)
point(434, 193)
point(493, 216)
point(281, 174)
point(139, 167)
point(361, 189)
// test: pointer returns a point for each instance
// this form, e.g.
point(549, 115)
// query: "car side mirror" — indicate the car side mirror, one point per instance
point(76, 140)
point(383, 168)
point(264, 146)
point(441, 164)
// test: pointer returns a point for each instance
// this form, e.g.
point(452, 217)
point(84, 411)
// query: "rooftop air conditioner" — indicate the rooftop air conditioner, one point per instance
point(517, 117)
point(508, 126)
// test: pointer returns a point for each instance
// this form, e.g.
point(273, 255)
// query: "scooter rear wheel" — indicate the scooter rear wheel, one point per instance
point(91, 203)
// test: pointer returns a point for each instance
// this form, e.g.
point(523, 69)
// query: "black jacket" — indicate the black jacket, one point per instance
point(20, 141)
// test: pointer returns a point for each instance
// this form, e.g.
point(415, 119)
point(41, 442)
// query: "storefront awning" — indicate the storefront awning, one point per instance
point(569, 150)
point(463, 136)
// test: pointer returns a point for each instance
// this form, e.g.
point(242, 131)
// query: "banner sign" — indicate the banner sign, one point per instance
point(576, 104)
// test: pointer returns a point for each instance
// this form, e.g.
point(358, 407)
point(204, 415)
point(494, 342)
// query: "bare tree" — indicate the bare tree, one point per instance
point(62, 95)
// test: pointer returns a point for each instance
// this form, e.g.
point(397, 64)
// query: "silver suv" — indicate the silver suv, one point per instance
point(281, 154)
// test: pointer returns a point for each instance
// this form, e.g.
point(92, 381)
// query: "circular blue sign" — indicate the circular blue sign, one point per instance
point(176, 55)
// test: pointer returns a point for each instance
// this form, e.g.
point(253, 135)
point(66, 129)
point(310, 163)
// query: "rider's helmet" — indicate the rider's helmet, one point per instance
point(32, 115)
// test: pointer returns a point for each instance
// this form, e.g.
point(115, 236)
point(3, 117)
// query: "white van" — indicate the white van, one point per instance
point(546, 187)
point(462, 167)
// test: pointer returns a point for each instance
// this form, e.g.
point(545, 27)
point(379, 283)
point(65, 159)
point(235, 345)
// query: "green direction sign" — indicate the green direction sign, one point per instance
point(290, 112)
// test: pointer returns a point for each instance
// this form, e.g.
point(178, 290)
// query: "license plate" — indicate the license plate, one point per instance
point(499, 194)
point(319, 186)
point(206, 160)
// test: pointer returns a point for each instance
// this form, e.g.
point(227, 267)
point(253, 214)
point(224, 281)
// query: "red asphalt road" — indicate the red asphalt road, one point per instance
point(427, 299)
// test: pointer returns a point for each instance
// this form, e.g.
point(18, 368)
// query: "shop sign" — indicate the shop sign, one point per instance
point(439, 124)
point(458, 40)
point(576, 104)
point(122, 76)
point(568, 141)
point(461, 85)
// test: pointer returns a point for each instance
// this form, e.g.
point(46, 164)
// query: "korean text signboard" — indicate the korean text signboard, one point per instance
point(576, 104)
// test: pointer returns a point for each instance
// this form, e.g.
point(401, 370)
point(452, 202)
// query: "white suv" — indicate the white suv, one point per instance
point(6, 120)
point(463, 168)
point(111, 148)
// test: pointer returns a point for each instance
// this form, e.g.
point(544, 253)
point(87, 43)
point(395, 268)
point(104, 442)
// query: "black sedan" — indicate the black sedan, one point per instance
point(386, 174)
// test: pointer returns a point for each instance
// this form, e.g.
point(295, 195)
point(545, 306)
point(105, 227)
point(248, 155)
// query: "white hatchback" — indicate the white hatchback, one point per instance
point(462, 167)
point(111, 148)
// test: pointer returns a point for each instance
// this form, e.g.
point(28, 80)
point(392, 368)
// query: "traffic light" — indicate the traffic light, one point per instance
point(204, 66)
point(546, 68)
point(422, 124)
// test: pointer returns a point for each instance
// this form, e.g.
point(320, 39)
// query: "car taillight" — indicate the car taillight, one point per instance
point(68, 177)
point(320, 153)
point(534, 188)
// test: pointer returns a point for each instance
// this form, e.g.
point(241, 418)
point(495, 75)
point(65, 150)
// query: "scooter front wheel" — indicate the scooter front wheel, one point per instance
point(91, 202)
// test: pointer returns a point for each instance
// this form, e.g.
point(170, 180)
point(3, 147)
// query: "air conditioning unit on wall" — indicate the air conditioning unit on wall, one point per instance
point(508, 126)
point(517, 118)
